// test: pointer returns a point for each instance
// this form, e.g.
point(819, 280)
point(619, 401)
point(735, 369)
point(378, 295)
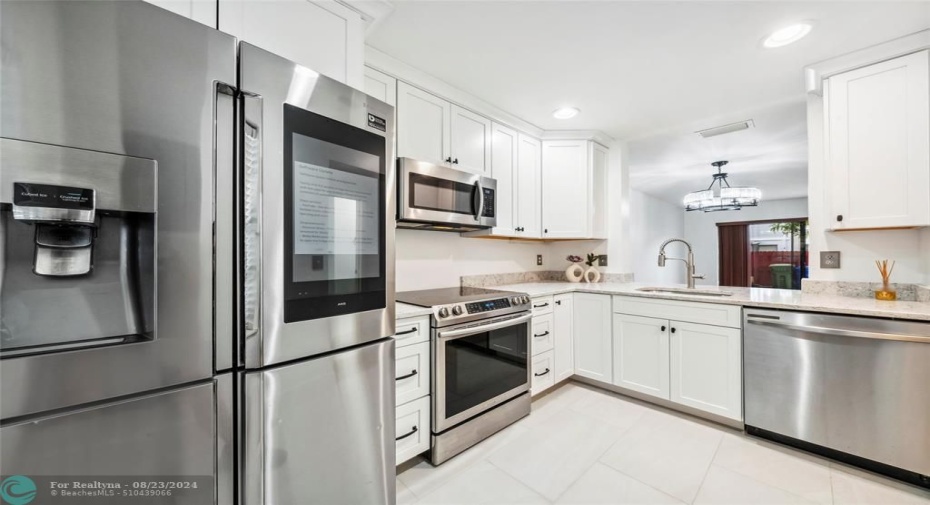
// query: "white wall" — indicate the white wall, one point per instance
point(653, 221)
point(910, 249)
point(434, 259)
point(701, 229)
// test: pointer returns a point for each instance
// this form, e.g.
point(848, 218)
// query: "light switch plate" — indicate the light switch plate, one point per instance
point(602, 260)
point(829, 259)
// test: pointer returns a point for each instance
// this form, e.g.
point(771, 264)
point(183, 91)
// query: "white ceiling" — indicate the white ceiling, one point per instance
point(649, 71)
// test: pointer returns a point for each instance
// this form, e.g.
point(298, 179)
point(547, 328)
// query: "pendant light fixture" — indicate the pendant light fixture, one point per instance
point(724, 196)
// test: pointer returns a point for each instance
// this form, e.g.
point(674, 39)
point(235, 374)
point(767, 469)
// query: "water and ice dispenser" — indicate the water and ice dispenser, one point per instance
point(77, 248)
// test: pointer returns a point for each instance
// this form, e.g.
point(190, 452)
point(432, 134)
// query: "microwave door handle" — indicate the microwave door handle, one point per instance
point(480, 206)
point(464, 332)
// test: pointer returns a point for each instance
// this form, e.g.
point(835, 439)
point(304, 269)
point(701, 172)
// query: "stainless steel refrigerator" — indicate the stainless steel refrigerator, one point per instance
point(196, 282)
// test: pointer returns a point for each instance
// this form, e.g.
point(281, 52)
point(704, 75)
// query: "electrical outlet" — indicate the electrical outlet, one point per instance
point(829, 259)
point(602, 260)
point(539, 259)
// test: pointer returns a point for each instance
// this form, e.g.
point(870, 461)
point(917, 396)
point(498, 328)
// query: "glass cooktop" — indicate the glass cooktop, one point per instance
point(448, 296)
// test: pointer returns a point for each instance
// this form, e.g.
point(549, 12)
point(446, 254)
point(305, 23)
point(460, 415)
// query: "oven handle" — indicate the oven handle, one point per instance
point(480, 192)
point(464, 332)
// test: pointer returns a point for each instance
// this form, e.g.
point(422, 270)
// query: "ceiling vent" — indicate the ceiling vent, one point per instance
point(727, 128)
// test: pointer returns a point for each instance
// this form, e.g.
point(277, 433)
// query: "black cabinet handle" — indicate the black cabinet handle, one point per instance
point(546, 230)
point(449, 159)
point(663, 328)
point(407, 332)
point(409, 375)
point(541, 374)
point(673, 329)
point(558, 302)
point(839, 217)
point(455, 161)
point(518, 228)
point(541, 305)
point(412, 431)
point(541, 334)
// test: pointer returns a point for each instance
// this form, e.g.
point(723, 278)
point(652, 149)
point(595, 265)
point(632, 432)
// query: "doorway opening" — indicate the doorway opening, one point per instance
point(764, 254)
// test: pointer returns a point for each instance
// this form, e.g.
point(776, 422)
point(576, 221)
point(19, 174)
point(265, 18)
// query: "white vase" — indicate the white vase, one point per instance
point(592, 274)
point(574, 272)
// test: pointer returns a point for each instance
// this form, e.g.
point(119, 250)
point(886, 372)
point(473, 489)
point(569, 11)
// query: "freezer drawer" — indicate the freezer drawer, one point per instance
point(321, 430)
point(166, 434)
point(851, 384)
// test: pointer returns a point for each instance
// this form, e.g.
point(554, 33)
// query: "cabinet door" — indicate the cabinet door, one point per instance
point(599, 156)
point(322, 35)
point(503, 170)
point(542, 368)
point(528, 191)
point(411, 372)
point(563, 358)
point(470, 141)
point(411, 429)
point(422, 125)
point(381, 86)
point(565, 205)
point(706, 370)
point(641, 354)
point(202, 11)
point(592, 338)
point(878, 145)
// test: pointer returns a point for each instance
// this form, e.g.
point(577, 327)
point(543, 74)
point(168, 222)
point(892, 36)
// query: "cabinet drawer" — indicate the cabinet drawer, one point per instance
point(541, 305)
point(411, 331)
point(542, 337)
point(411, 430)
point(690, 312)
point(542, 373)
point(412, 372)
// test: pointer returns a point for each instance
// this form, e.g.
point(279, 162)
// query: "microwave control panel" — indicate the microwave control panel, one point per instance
point(488, 210)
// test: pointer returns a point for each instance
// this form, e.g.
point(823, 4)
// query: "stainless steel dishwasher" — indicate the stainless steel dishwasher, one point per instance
point(855, 389)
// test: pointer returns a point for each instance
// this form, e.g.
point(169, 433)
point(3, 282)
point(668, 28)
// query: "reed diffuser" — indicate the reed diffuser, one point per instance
point(886, 293)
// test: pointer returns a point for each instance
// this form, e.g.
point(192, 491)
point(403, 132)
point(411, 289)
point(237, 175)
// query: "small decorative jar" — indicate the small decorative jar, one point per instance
point(574, 272)
point(886, 293)
point(592, 274)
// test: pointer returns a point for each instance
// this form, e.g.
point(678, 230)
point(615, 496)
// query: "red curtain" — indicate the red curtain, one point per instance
point(734, 254)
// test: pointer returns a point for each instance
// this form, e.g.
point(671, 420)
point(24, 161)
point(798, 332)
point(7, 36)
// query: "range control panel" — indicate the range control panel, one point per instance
point(488, 305)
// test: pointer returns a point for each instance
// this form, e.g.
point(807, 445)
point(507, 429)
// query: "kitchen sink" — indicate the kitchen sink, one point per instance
point(686, 291)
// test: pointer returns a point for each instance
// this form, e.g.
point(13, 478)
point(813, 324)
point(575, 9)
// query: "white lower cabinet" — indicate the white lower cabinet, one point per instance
point(563, 360)
point(706, 371)
point(543, 376)
point(641, 354)
point(412, 429)
point(592, 336)
point(542, 337)
point(412, 383)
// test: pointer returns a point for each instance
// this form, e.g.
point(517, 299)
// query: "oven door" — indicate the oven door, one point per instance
point(317, 212)
point(435, 194)
point(477, 367)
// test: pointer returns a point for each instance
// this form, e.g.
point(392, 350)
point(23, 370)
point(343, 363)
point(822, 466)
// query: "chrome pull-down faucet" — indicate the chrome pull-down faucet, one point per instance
point(689, 263)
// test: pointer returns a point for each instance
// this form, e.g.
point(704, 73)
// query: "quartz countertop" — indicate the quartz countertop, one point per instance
point(404, 310)
point(747, 297)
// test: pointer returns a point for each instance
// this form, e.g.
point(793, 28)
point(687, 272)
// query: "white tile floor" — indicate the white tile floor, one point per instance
point(582, 445)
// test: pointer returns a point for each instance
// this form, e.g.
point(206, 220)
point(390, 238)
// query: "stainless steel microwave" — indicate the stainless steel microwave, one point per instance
point(434, 197)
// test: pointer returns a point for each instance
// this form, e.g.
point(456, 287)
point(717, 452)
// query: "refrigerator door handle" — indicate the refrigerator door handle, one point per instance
point(250, 214)
point(224, 274)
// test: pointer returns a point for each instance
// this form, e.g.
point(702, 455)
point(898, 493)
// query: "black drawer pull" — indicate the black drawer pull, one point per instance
point(409, 375)
point(558, 302)
point(412, 431)
point(541, 305)
point(663, 328)
point(541, 374)
point(673, 330)
point(541, 334)
point(407, 332)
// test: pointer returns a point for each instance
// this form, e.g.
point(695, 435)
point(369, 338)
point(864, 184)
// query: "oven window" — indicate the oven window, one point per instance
point(432, 193)
point(483, 366)
point(334, 217)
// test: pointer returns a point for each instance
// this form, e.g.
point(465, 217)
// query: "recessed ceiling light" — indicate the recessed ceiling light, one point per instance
point(565, 113)
point(787, 35)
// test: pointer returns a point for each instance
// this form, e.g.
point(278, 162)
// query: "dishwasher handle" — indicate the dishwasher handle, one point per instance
point(839, 332)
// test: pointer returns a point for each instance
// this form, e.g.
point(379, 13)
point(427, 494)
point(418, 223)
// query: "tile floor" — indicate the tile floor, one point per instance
point(582, 445)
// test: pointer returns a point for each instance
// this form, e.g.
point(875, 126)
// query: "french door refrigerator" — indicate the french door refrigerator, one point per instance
point(196, 283)
point(314, 362)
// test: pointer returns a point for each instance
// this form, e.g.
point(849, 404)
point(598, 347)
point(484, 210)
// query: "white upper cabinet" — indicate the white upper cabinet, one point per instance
point(877, 121)
point(381, 86)
point(528, 190)
point(574, 185)
point(422, 125)
point(592, 336)
point(322, 35)
point(503, 170)
point(470, 141)
point(202, 11)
